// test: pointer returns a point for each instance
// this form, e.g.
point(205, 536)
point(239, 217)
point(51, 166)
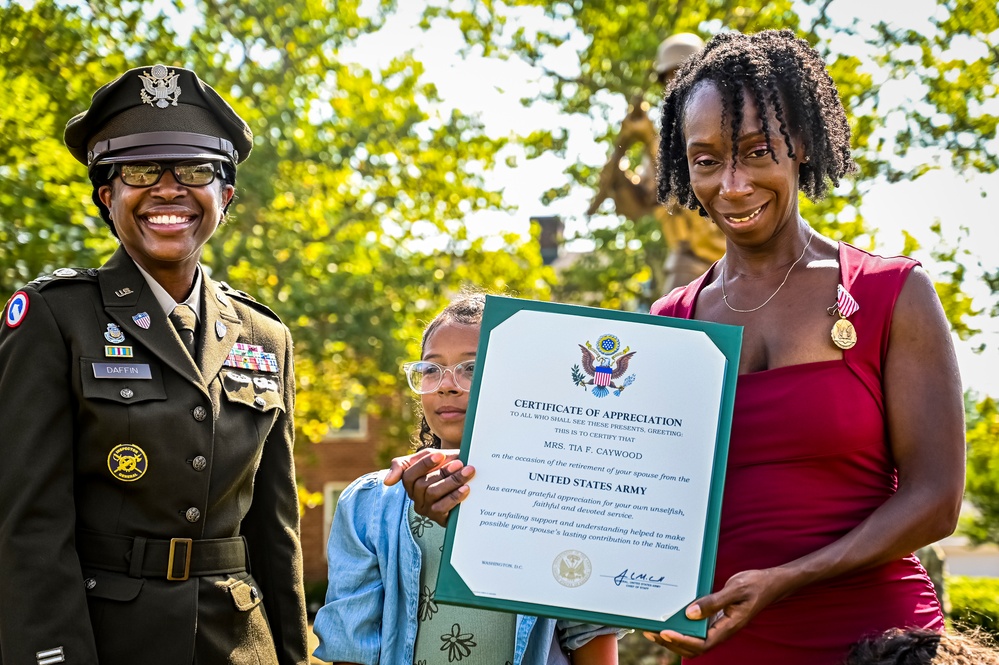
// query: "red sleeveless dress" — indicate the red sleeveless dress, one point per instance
point(808, 462)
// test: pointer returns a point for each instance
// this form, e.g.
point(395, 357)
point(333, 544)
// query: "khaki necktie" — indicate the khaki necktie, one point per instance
point(184, 320)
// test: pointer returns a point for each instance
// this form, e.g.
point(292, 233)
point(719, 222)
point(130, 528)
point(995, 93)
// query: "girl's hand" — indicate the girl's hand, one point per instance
point(434, 480)
point(728, 610)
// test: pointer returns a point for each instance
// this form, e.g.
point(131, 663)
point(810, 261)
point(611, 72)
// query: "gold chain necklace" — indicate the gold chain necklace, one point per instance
point(746, 311)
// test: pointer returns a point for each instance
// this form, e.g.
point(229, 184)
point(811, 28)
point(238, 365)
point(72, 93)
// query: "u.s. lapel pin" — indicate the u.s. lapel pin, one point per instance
point(121, 293)
point(220, 329)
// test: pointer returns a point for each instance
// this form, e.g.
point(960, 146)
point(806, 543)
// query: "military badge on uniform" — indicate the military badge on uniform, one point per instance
point(65, 272)
point(142, 320)
point(160, 87)
point(251, 356)
point(50, 656)
point(117, 351)
point(220, 329)
point(121, 293)
point(127, 462)
point(17, 309)
point(114, 334)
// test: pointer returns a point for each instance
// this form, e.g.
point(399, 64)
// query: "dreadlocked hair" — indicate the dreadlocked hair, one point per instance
point(781, 73)
point(465, 310)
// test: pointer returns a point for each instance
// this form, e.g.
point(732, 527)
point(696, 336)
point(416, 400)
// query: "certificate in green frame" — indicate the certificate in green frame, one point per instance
point(600, 440)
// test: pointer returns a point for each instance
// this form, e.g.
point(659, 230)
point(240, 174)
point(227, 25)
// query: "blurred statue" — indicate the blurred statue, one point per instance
point(693, 242)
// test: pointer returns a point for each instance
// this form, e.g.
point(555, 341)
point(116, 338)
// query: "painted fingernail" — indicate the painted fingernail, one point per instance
point(694, 612)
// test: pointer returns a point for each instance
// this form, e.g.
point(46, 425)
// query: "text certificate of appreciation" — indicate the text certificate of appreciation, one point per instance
point(599, 440)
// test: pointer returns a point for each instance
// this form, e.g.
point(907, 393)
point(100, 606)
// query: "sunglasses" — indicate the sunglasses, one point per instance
point(147, 174)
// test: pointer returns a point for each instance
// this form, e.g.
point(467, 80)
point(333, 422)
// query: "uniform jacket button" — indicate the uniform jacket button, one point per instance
point(199, 414)
point(89, 583)
point(192, 515)
point(199, 463)
point(260, 401)
point(126, 393)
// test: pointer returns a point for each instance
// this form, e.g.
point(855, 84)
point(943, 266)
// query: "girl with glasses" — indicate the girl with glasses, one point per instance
point(384, 557)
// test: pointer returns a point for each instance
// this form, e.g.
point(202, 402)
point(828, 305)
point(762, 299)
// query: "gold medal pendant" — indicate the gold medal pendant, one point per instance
point(844, 335)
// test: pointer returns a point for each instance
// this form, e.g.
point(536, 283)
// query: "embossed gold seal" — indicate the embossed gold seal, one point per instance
point(572, 568)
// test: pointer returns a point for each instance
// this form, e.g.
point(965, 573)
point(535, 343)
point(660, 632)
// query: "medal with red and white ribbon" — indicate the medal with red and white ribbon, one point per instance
point(844, 335)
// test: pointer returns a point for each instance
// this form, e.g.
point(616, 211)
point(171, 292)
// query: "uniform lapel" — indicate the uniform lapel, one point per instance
point(220, 328)
point(126, 297)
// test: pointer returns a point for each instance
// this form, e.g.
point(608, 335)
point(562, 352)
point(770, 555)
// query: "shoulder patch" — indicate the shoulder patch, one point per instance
point(16, 309)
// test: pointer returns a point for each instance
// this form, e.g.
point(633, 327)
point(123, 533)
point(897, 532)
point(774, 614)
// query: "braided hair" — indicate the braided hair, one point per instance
point(782, 74)
point(465, 310)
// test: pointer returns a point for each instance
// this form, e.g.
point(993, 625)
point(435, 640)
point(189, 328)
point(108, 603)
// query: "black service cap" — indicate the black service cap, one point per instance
point(157, 113)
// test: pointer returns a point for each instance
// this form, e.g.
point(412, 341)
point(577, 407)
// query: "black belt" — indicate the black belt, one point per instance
point(176, 559)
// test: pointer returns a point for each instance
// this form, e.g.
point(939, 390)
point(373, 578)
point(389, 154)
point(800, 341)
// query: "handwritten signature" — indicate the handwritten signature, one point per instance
point(628, 576)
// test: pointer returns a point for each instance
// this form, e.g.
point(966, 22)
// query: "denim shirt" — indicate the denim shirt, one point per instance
point(370, 615)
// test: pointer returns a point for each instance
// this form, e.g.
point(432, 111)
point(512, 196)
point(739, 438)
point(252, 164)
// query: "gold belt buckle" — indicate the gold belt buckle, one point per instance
point(187, 559)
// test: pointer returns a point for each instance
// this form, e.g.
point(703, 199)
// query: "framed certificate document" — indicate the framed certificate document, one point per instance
point(599, 440)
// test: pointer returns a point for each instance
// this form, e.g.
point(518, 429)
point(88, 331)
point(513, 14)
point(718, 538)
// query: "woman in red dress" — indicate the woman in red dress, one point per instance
point(847, 447)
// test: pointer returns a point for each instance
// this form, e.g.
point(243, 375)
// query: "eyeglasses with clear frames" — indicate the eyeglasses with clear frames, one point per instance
point(425, 376)
point(147, 174)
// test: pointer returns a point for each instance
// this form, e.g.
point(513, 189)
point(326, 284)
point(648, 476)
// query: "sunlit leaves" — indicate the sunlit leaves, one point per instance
point(349, 216)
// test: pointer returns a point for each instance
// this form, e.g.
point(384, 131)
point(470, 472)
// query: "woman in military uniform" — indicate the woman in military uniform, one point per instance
point(148, 505)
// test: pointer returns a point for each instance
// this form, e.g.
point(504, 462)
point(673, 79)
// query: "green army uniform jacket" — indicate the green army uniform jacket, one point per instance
point(116, 449)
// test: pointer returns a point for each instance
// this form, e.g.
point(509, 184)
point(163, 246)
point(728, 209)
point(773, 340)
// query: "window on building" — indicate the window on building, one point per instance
point(355, 425)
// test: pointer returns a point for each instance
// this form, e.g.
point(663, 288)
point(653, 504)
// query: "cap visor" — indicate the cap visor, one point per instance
point(162, 153)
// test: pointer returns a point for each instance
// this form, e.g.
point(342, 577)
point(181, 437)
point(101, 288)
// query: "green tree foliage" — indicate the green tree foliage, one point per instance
point(974, 603)
point(953, 66)
point(982, 488)
point(349, 217)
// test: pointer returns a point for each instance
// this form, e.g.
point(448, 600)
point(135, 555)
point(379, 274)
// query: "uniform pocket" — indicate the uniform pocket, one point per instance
point(258, 391)
point(251, 639)
point(111, 586)
point(125, 388)
point(245, 595)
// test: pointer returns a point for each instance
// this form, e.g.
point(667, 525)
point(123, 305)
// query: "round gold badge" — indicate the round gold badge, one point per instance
point(572, 568)
point(127, 462)
point(844, 335)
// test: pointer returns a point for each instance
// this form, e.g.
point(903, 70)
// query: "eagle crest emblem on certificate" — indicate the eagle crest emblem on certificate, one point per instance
point(602, 365)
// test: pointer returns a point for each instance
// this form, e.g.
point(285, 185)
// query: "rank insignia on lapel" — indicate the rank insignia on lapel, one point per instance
point(121, 293)
point(250, 356)
point(118, 351)
point(127, 462)
point(114, 334)
point(142, 320)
